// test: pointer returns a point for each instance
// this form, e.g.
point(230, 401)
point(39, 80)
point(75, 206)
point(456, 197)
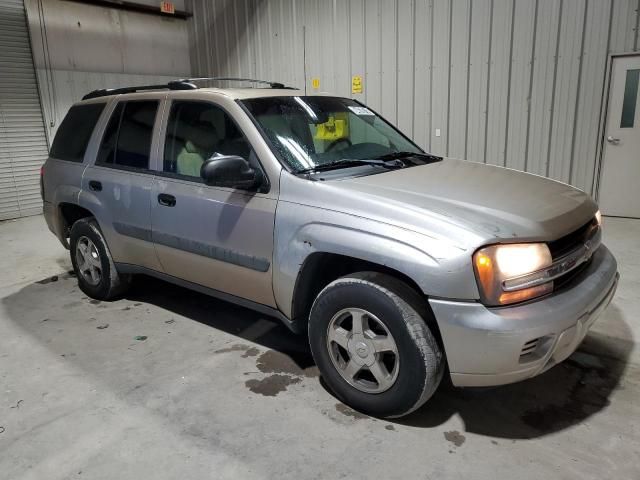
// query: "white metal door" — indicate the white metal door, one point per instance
point(619, 192)
point(23, 143)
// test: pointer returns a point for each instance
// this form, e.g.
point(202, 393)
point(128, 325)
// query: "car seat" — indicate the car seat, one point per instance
point(200, 142)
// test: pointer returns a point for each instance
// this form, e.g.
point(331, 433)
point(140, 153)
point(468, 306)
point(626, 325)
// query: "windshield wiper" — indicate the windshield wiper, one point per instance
point(349, 162)
point(404, 154)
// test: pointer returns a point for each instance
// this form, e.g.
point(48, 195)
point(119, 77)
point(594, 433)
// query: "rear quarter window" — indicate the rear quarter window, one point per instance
point(75, 131)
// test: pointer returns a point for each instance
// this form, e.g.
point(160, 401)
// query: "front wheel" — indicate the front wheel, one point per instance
point(371, 342)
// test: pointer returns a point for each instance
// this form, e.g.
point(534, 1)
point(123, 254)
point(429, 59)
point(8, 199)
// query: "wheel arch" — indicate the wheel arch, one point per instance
point(321, 268)
point(69, 213)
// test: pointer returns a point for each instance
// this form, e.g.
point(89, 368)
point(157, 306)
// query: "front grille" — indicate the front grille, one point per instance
point(565, 244)
point(566, 279)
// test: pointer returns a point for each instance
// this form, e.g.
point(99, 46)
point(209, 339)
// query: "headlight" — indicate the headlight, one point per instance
point(504, 272)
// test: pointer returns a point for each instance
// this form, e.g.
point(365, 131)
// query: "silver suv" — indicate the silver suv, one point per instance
point(399, 264)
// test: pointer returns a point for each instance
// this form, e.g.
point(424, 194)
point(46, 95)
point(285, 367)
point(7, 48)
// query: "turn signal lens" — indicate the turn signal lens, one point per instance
point(526, 294)
point(497, 264)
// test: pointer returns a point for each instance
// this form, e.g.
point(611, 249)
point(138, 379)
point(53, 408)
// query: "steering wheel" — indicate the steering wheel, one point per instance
point(337, 142)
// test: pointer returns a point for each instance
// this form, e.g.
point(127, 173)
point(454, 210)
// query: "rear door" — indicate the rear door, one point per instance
point(117, 186)
point(221, 238)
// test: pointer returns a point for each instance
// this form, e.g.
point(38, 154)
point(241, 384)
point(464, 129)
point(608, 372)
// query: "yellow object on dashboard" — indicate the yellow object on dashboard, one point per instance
point(333, 129)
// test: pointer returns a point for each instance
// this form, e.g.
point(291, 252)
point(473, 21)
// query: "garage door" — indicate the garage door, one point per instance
point(23, 145)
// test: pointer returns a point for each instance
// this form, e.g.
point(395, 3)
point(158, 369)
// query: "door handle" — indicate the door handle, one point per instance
point(613, 140)
point(166, 200)
point(95, 185)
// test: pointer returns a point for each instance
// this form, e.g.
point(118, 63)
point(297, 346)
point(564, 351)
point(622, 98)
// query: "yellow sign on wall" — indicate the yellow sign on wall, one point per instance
point(356, 84)
point(315, 83)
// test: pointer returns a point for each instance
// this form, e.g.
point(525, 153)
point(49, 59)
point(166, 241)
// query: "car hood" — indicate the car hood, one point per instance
point(492, 201)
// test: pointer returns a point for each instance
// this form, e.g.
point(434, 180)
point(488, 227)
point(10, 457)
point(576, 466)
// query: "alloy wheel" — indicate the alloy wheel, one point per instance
point(88, 261)
point(363, 350)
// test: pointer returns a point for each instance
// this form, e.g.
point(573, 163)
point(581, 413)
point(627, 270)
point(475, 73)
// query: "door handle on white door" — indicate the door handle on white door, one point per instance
point(613, 140)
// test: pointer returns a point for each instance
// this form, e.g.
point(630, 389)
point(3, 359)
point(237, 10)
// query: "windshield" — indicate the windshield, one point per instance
point(311, 131)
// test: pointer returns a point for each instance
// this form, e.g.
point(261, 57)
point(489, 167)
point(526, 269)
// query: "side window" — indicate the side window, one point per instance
point(75, 131)
point(196, 131)
point(127, 138)
point(630, 98)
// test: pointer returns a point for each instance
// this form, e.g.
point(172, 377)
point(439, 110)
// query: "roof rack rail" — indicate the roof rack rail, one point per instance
point(183, 84)
point(236, 79)
point(173, 85)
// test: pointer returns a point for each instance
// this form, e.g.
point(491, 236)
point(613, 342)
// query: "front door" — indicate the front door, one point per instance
point(221, 238)
point(619, 194)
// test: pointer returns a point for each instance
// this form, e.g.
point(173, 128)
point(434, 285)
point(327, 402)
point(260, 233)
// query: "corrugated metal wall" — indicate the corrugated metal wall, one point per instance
point(78, 48)
point(23, 144)
point(70, 86)
point(517, 83)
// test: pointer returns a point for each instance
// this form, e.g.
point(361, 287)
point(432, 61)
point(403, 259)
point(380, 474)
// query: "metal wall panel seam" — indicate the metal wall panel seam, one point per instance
point(635, 40)
point(397, 56)
point(209, 29)
point(631, 17)
point(578, 92)
point(466, 123)
point(605, 100)
point(533, 56)
point(457, 113)
point(413, 69)
point(486, 111)
point(508, 109)
point(258, 40)
point(594, 62)
point(478, 80)
point(237, 38)
point(499, 81)
point(364, 53)
point(380, 56)
point(448, 115)
point(250, 40)
point(349, 53)
point(431, 6)
point(554, 111)
point(229, 47)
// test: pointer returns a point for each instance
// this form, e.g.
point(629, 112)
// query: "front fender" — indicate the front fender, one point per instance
point(436, 266)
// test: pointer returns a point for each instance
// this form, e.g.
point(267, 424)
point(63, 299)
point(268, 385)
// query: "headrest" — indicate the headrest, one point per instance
point(200, 137)
point(190, 147)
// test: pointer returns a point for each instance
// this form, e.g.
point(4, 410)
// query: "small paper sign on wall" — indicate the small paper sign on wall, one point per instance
point(356, 84)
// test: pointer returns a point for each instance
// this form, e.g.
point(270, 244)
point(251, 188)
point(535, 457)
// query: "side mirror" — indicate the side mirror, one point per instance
point(229, 171)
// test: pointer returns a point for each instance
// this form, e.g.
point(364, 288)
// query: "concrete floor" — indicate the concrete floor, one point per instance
point(217, 391)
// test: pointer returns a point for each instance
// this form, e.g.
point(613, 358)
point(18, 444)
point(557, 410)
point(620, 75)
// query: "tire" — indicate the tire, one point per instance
point(405, 380)
point(95, 270)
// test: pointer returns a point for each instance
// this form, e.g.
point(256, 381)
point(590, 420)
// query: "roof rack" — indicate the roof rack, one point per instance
point(183, 84)
point(236, 79)
point(173, 85)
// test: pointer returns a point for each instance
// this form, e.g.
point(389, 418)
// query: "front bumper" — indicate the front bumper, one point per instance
point(495, 346)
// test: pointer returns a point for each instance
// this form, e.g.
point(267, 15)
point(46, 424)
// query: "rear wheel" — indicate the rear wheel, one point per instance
point(92, 262)
point(370, 339)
